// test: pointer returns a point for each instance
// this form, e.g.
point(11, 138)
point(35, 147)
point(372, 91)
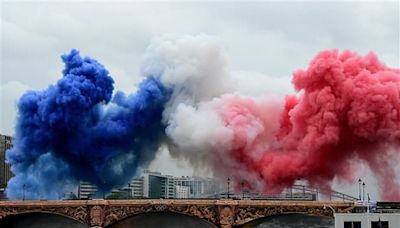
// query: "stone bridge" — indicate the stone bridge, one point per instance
point(222, 213)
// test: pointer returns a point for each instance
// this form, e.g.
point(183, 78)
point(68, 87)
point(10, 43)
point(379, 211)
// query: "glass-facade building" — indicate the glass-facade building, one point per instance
point(156, 186)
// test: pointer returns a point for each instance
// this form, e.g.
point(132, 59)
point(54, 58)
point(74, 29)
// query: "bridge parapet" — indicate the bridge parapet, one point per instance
point(223, 213)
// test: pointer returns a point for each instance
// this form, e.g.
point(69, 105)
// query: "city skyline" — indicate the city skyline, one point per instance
point(178, 187)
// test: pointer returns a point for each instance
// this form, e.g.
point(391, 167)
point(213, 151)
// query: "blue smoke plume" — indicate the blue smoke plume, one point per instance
point(75, 130)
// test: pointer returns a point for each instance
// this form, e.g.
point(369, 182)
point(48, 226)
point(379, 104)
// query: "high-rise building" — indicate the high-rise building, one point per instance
point(156, 185)
point(5, 172)
point(135, 187)
point(169, 187)
point(182, 192)
point(86, 190)
point(198, 187)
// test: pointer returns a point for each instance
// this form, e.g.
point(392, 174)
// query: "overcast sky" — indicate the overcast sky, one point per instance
point(270, 39)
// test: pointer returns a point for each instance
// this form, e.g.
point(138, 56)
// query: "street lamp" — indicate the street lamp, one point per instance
point(229, 180)
point(242, 189)
point(23, 192)
point(359, 188)
point(363, 184)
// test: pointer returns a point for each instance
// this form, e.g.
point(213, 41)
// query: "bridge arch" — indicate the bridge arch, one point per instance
point(40, 219)
point(289, 220)
point(165, 219)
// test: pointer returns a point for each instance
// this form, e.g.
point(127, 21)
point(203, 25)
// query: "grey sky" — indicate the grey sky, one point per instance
point(267, 38)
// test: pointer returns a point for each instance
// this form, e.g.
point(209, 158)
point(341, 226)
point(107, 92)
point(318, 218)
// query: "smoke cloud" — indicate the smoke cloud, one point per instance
point(346, 111)
point(73, 131)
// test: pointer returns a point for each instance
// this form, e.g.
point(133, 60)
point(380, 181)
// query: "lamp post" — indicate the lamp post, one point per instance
point(79, 190)
point(363, 185)
point(23, 192)
point(359, 188)
point(242, 189)
point(228, 180)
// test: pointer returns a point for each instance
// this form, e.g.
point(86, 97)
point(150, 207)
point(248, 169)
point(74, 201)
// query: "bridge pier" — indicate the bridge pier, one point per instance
point(96, 217)
point(226, 216)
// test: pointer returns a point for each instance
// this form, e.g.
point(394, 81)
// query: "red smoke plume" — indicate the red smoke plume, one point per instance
point(348, 111)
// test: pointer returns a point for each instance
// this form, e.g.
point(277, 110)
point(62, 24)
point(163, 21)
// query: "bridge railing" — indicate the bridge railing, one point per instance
point(296, 192)
point(329, 193)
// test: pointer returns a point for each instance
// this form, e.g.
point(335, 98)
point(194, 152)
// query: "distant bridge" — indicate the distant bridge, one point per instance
point(331, 194)
point(296, 192)
point(224, 213)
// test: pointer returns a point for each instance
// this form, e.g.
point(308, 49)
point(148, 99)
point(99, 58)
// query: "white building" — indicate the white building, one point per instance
point(169, 191)
point(136, 187)
point(379, 215)
point(367, 220)
point(182, 192)
point(156, 186)
point(198, 187)
point(86, 190)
